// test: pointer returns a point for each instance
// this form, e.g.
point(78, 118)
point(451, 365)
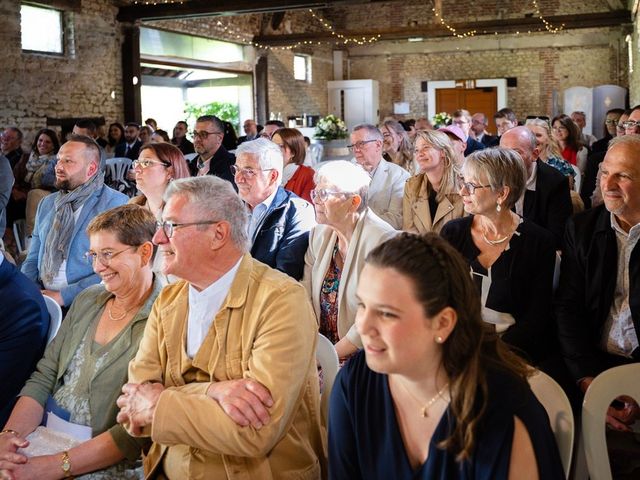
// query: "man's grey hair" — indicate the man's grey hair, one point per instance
point(373, 132)
point(214, 199)
point(631, 141)
point(346, 177)
point(268, 154)
point(217, 123)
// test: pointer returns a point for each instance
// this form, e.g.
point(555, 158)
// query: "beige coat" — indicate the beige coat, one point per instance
point(264, 330)
point(370, 231)
point(416, 214)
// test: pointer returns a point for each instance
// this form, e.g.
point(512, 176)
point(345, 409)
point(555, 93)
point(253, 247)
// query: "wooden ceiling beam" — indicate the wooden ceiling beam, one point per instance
point(205, 8)
point(510, 25)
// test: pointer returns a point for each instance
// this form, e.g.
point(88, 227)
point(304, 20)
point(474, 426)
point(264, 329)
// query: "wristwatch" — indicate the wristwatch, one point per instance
point(65, 464)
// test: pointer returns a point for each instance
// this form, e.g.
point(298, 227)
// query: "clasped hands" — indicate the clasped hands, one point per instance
point(245, 401)
point(15, 466)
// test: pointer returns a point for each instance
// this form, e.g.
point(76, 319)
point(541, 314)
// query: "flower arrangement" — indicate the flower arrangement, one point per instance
point(441, 119)
point(331, 128)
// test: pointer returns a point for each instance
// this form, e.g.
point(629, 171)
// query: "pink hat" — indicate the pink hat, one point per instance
point(454, 130)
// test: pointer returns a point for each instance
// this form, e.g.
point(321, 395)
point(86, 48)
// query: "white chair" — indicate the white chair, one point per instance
point(577, 180)
point(622, 380)
point(556, 272)
point(118, 168)
point(327, 357)
point(55, 317)
point(316, 149)
point(190, 156)
point(19, 230)
point(558, 408)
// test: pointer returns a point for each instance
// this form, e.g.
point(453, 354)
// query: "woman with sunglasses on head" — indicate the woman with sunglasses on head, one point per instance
point(431, 197)
point(296, 177)
point(85, 366)
point(156, 166)
point(434, 394)
point(347, 230)
point(397, 145)
point(512, 259)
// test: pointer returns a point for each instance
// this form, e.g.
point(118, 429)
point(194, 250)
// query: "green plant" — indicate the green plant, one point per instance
point(331, 128)
point(228, 112)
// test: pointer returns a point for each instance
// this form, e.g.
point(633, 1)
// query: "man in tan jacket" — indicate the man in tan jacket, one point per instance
point(225, 379)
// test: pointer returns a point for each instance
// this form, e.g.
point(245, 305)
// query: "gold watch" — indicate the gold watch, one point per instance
point(65, 465)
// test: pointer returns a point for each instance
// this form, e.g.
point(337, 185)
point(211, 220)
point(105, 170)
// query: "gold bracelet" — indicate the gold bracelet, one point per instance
point(65, 465)
point(8, 430)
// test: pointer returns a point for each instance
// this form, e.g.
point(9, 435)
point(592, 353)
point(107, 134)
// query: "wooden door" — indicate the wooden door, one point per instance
point(482, 99)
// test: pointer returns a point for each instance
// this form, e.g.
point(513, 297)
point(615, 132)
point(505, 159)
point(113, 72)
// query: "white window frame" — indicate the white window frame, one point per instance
point(307, 67)
point(57, 50)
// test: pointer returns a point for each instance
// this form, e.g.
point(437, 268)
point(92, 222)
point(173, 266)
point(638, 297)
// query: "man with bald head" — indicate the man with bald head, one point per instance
point(546, 200)
point(56, 255)
point(598, 300)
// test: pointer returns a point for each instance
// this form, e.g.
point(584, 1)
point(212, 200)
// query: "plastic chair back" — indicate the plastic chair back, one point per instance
point(577, 180)
point(118, 168)
point(55, 317)
point(327, 357)
point(622, 380)
point(190, 156)
point(19, 230)
point(558, 408)
point(316, 150)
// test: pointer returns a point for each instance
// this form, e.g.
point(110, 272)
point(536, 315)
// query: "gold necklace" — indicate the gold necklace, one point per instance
point(497, 241)
point(117, 319)
point(424, 410)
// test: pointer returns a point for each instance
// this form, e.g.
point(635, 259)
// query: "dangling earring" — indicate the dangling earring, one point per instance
point(498, 207)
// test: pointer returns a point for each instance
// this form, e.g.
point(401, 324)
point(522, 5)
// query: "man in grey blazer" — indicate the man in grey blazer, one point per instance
point(387, 179)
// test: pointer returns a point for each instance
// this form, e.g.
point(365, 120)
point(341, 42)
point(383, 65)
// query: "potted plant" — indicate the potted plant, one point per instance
point(441, 119)
point(331, 133)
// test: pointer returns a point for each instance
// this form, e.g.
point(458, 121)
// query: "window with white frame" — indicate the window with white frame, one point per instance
point(41, 29)
point(302, 67)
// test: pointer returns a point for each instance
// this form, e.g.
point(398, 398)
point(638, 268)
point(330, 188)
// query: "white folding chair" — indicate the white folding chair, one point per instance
point(190, 156)
point(577, 180)
point(55, 317)
point(327, 357)
point(558, 408)
point(118, 168)
point(19, 230)
point(622, 380)
point(316, 149)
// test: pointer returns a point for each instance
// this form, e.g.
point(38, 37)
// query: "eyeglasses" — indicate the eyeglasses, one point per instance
point(323, 194)
point(104, 257)
point(147, 163)
point(360, 145)
point(204, 134)
point(168, 227)
point(469, 186)
point(631, 124)
point(247, 172)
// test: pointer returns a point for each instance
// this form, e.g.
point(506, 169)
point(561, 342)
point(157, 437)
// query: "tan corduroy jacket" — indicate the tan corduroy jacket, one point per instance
point(265, 330)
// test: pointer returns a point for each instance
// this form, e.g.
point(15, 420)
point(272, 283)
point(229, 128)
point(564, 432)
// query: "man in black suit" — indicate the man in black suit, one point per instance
point(479, 124)
point(598, 300)
point(250, 129)
point(130, 148)
point(462, 118)
point(213, 158)
point(180, 138)
point(547, 200)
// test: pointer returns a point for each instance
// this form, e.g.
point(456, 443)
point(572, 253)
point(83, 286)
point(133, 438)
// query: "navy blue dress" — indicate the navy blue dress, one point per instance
point(365, 440)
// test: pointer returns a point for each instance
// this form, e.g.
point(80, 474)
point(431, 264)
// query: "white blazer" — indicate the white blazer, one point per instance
point(386, 191)
point(370, 231)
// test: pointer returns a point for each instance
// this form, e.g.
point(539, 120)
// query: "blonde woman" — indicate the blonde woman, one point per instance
point(431, 197)
point(549, 148)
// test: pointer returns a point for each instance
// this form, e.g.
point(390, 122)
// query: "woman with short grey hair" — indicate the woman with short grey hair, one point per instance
point(347, 230)
point(511, 259)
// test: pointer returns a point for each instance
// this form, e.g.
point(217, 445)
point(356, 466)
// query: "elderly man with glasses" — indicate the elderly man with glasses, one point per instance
point(279, 220)
point(386, 189)
point(212, 158)
point(225, 380)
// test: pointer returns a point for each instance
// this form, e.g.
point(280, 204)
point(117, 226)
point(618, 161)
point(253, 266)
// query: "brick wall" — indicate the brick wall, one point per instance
point(634, 78)
point(34, 87)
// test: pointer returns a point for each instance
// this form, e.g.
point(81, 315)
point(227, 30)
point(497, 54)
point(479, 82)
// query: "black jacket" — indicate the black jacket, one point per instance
point(586, 291)
point(134, 152)
point(220, 165)
point(550, 205)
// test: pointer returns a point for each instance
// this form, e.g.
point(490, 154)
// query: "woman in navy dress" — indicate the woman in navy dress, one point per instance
point(434, 394)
